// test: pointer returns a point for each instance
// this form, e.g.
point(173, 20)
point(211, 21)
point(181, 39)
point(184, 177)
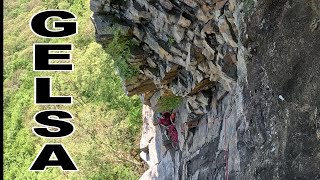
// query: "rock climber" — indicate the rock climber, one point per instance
point(166, 120)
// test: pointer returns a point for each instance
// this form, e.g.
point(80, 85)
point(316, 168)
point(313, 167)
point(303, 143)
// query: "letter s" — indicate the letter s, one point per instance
point(53, 118)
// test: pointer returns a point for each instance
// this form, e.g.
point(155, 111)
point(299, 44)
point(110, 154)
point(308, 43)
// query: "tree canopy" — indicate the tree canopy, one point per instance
point(107, 122)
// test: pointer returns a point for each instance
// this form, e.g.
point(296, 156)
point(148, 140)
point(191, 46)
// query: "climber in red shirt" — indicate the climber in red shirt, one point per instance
point(166, 119)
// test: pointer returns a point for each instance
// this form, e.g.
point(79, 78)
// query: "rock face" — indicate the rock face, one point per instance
point(184, 46)
point(248, 72)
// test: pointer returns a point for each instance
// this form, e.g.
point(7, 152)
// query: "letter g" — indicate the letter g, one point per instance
point(38, 24)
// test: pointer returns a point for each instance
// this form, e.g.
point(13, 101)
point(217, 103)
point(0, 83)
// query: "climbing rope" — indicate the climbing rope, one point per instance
point(226, 148)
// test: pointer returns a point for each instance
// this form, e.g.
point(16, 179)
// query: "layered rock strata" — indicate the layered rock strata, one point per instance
point(185, 46)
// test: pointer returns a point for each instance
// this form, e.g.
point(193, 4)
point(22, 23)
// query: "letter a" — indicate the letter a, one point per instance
point(63, 161)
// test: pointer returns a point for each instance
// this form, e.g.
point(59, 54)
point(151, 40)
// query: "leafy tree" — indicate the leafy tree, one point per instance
point(107, 122)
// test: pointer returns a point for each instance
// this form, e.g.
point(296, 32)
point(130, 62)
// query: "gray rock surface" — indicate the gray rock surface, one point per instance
point(248, 72)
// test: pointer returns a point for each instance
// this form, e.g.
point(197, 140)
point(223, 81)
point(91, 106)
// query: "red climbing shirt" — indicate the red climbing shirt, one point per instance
point(165, 120)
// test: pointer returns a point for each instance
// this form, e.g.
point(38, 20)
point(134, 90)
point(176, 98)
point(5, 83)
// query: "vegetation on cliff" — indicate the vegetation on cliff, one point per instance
point(169, 103)
point(119, 50)
point(105, 143)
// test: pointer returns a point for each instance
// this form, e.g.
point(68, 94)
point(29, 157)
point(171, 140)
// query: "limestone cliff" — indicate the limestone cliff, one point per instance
point(248, 70)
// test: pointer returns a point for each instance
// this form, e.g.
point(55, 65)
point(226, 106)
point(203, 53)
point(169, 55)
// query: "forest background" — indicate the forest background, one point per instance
point(105, 144)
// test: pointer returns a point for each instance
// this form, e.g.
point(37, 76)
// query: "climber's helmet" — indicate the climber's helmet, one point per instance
point(159, 115)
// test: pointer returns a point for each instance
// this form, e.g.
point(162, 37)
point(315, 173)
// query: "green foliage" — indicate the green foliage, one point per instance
point(171, 41)
point(119, 49)
point(168, 103)
point(104, 145)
